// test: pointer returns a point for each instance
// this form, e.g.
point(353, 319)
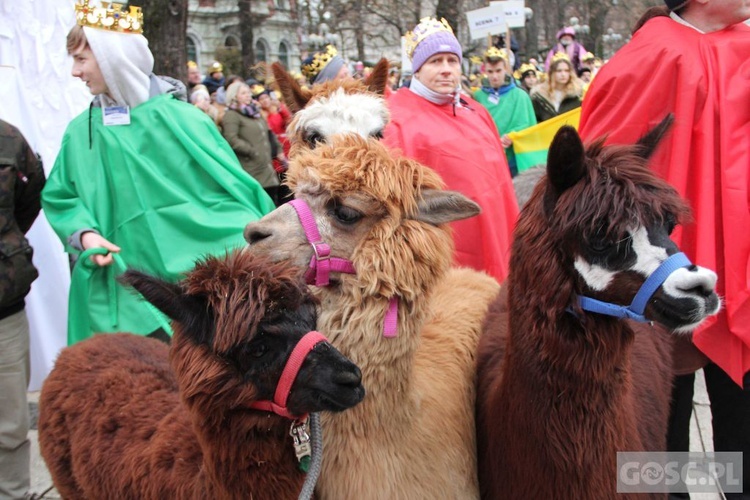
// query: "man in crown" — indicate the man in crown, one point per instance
point(702, 46)
point(432, 122)
point(509, 106)
point(139, 173)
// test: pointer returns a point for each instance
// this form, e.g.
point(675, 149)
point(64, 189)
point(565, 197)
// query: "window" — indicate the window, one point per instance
point(191, 49)
point(232, 42)
point(261, 54)
point(284, 54)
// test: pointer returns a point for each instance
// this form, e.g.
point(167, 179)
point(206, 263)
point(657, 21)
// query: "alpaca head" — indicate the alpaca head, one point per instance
point(608, 220)
point(386, 215)
point(236, 321)
point(334, 107)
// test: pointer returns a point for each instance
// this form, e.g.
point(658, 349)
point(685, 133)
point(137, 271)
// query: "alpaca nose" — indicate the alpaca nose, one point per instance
point(254, 233)
point(352, 378)
point(700, 281)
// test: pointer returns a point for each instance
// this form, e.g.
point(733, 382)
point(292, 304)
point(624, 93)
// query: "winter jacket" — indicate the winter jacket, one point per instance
point(251, 142)
point(544, 107)
point(21, 182)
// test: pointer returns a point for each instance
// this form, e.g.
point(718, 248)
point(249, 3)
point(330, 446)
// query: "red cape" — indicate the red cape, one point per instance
point(465, 150)
point(704, 79)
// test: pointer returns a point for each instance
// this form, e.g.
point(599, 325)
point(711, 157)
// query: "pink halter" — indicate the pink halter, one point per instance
point(321, 263)
point(291, 369)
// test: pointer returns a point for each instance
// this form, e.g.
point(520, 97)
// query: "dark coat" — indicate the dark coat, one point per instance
point(544, 109)
point(21, 182)
point(251, 142)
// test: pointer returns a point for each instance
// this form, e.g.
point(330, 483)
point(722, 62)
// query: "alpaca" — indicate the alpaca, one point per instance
point(334, 107)
point(560, 390)
point(414, 435)
point(128, 417)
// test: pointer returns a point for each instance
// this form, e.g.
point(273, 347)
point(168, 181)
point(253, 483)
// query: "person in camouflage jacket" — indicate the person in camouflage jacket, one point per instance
point(21, 182)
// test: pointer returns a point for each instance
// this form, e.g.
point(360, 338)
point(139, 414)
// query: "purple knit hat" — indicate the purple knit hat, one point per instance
point(439, 41)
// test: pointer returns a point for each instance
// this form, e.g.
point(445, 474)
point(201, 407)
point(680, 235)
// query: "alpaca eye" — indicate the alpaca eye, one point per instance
point(346, 215)
point(378, 134)
point(313, 139)
point(259, 351)
point(600, 245)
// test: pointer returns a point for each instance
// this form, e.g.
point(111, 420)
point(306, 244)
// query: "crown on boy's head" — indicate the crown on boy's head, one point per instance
point(110, 16)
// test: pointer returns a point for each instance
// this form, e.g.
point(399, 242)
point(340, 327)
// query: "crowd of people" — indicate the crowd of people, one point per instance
point(157, 173)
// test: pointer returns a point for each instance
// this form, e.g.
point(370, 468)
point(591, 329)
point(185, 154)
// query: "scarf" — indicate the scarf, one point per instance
point(504, 89)
point(250, 110)
point(434, 97)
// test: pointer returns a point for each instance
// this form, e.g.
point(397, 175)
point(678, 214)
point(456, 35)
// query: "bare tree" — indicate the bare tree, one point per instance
point(451, 10)
point(252, 14)
point(165, 26)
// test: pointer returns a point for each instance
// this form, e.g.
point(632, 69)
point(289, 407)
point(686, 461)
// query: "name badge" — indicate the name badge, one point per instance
point(493, 99)
point(116, 115)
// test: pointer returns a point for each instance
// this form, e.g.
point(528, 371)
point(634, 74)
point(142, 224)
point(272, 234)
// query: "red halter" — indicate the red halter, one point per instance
point(293, 365)
point(321, 263)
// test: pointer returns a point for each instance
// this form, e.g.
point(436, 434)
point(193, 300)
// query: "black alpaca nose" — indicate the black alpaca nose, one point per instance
point(352, 378)
point(254, 234)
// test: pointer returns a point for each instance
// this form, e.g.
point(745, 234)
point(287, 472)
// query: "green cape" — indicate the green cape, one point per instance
point(167, 189)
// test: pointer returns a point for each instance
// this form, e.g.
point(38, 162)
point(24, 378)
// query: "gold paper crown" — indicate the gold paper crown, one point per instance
point(257, 90)
point(558, 56)
point(192, 64)
point(215, 67)
point(427, 26)
point(588, 56)
point(525, 68)
point(495, 53)
point(319, 61)
point(110, 16)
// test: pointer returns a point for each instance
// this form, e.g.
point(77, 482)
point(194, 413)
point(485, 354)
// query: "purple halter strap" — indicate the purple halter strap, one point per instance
point(322, 264)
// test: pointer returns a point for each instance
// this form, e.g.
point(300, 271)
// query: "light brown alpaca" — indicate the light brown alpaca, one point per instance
point(413, 436)
point(334, 107)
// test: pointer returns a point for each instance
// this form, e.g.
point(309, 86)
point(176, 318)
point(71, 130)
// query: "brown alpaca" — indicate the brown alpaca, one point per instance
point(413, 436)
point(128, 417)
point(561, 391)
point(334, 107)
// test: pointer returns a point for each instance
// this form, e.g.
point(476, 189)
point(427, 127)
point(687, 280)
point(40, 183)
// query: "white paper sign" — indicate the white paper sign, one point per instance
point(514, 12)
point(486, 21)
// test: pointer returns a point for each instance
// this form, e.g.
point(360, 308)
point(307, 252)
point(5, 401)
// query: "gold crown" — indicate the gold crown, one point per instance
point(588, 56)
point(319, 61)
point(192, 64)
point(525, 68)
point(216, 67)
point(427, 26)
point(495, 53)
point(110, 16)
point(256, 90)
point(558, 56)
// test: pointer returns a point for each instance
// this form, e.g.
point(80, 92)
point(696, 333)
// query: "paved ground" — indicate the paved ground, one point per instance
point(701, 439)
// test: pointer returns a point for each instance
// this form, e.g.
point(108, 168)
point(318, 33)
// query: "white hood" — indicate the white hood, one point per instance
point(125, 62)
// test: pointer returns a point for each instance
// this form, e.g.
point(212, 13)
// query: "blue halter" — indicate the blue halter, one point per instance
point(648, 288)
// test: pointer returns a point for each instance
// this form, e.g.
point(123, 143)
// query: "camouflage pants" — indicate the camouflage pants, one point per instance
point(14, 409)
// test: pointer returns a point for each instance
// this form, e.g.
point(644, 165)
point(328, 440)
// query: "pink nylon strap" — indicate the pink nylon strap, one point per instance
point(321, 263)
point(291, 369)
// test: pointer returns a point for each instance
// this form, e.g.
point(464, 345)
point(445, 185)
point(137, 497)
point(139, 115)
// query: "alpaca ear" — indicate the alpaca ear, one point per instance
point(565, 159)
point(440, 207)
point(167, 297)
point(295, 97)
point(649, 142)
point(378, 79)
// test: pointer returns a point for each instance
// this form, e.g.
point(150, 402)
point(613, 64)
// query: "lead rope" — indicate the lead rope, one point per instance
point(316, 438)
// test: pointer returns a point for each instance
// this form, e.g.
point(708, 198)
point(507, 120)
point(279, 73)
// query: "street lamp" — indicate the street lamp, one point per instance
point(580, 29)
point(612, 41)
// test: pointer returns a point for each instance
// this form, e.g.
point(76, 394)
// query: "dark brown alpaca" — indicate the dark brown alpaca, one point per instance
point(560, 390)
point(127, 417)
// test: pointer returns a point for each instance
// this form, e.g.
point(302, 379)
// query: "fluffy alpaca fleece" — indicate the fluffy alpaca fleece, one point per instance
point(413, 436)
point(334, 107)
point(127, 417)
point(559, 394)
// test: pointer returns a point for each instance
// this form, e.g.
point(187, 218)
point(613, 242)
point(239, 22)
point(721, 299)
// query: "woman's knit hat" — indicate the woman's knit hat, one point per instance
point(428, 38)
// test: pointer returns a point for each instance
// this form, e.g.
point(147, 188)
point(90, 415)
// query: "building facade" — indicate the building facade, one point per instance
point(214, 25)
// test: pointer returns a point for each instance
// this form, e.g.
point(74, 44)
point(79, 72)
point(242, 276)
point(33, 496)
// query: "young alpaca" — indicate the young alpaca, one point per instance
point(334, 107)
point(128, 417)
point(561, 390)
point(413, 436)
